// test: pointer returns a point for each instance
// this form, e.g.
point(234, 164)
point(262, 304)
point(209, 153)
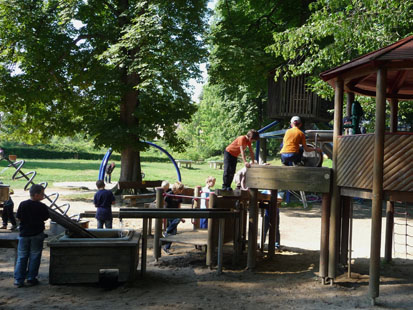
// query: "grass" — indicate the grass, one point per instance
point(72, 170)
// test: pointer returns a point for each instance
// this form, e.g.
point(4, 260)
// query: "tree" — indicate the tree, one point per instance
point(217, 121)
point(338, 31)
point(116, 70)
point(241, 30)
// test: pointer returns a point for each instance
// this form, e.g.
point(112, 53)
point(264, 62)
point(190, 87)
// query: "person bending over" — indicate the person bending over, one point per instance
point(232, 152)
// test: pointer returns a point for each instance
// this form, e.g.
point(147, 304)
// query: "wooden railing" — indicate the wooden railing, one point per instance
point(355, 161)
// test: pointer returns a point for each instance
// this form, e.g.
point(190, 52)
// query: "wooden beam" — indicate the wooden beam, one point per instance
point(252, 230)
point(376, 212)
point(335, 198)
point(309, 179)
point(398, 82)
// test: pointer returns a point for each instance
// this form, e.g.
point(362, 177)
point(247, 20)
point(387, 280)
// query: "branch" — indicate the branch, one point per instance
point(267, 16)
point(112, 8)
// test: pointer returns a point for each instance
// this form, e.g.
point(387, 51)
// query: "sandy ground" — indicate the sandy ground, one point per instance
point(181, 280)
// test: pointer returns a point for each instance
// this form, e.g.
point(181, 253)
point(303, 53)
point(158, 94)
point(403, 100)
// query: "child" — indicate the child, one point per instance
point(291, 152)
point(231, 153)
point(103, 201)
point(209, 182)
point(7, 214)
point(32, 214)
point(173, 202)
point(109, 170)
point(165, 186)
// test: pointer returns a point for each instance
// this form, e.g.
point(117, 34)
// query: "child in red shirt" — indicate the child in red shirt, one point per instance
point(232, 152)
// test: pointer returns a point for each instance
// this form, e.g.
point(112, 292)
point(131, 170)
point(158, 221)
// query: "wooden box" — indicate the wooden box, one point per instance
point(81, 260)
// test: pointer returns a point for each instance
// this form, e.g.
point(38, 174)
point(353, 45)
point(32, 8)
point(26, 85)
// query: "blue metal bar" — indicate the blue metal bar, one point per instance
point(105, 160)
point(167, 154)
point(103, 164)
point(257, 148)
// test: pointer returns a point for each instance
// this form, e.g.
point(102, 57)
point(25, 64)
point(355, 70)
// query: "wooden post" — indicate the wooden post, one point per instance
point(394, 108)
point(350, 100)
point(252, 229)
point(376, 212)
point(158, 225)
point(237, 236)
point(210, 241)
point(335, 198)
point(221, 236)
point(325, 222)
point(144, 245)
point(272, 212)
point(345, 223)
point(263, 151)
point(197, 204)
point(389, 231)
point(390, 205)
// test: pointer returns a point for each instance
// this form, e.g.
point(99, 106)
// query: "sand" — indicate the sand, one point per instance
point(182, 281)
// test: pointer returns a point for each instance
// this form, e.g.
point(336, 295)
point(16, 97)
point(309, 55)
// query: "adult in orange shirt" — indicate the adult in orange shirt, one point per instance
point(291, 152)
point(232, 152)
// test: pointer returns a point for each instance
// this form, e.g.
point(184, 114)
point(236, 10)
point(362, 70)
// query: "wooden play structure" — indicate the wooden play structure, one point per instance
point(287, 98)
point(276, 178)
point(375, 166)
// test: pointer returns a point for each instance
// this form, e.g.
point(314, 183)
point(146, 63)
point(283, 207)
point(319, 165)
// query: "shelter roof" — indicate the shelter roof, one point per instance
point(359, 75)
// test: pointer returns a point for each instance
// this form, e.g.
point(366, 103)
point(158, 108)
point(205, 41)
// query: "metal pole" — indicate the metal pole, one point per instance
point(335, 198)
point(252, 229)
point(376, 212)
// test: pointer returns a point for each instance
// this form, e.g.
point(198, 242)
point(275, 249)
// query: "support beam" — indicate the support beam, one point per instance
point(345, 226)
point(394, 105)
point(252, 229)
point(377, 202)
point(335, 198)
point(272, 212)
point(210, 241)
point(325, 223)
point(350, 100)
point(158, 225)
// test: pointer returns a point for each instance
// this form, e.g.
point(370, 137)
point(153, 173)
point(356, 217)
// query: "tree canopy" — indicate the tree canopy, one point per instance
point(338, 31)
point(117, 70)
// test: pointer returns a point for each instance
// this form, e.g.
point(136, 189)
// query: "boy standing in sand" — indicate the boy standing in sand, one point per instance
point(32, 214)
point(103, 200)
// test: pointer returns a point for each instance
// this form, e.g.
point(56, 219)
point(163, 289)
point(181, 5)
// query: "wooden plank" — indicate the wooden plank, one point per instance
point(289, 178)
point(92, 260)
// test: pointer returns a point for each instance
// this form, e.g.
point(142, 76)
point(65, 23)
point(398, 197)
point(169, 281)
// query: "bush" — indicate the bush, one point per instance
point(33, 152)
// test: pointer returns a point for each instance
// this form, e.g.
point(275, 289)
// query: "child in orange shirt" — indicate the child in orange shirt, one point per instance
point(232, 152)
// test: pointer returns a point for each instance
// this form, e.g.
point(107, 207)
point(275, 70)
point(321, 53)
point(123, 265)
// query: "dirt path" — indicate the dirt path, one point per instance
point(181, 280)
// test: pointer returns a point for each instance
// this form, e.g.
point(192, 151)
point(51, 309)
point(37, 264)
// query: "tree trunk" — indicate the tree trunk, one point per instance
point(130, 157)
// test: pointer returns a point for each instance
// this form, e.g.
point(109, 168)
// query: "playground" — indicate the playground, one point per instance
point(333, 239)
point(289, 281)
